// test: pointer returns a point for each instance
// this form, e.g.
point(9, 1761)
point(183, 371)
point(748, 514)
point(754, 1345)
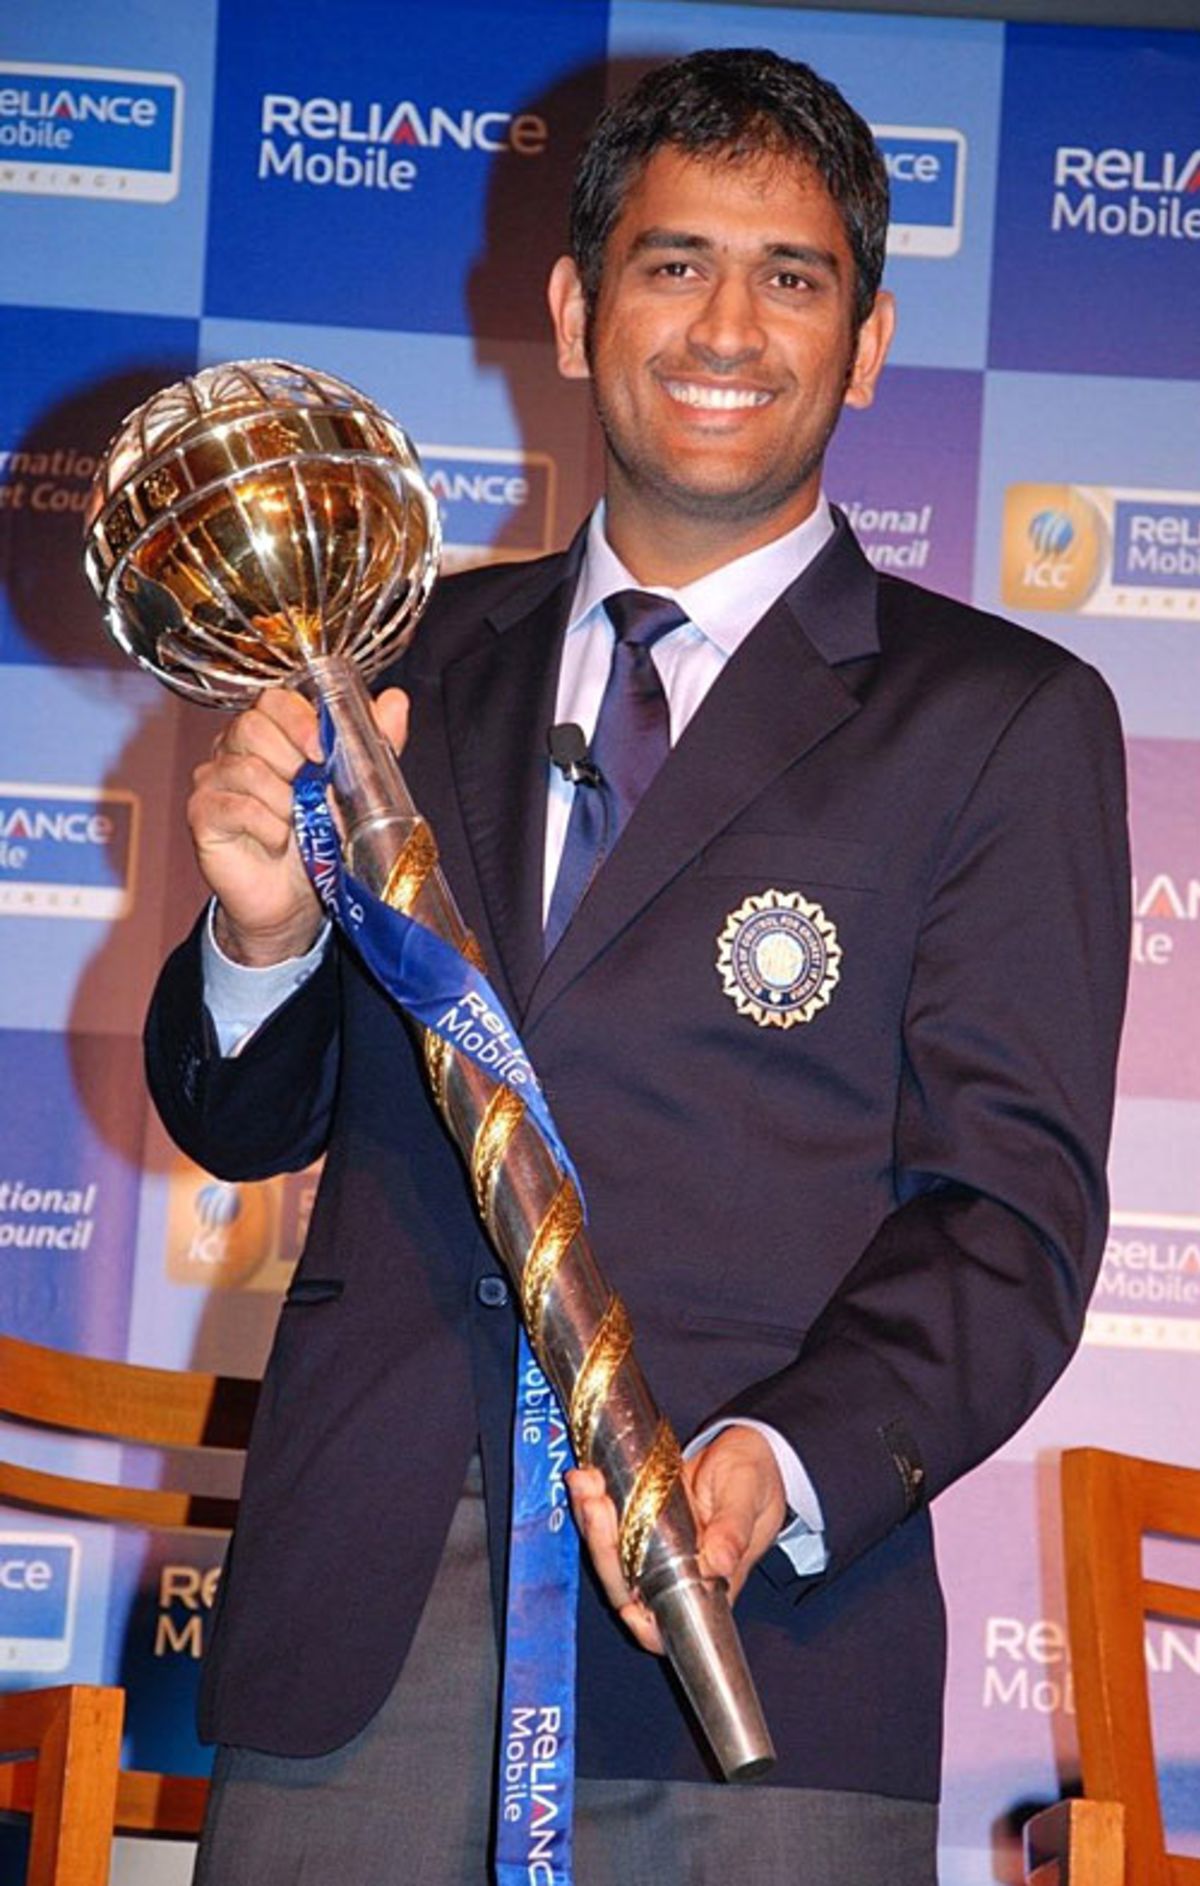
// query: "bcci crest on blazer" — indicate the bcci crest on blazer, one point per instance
point(779, 958)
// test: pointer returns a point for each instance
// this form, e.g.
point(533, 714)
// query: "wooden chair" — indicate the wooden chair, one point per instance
point(1114, 1836)
point(69, 1780)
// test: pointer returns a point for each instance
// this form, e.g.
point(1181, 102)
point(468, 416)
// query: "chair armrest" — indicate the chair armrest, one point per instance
point(160, 1804)
point(1076, 1843)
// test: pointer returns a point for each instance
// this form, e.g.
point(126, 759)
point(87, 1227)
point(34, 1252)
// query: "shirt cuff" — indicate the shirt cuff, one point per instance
point(240, 998)
point(802, 1537)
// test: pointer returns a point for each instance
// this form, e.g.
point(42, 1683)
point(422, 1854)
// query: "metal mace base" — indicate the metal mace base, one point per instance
point(702, 1643)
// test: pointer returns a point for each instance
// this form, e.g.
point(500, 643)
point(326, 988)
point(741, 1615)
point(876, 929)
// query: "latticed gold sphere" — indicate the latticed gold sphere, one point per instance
point(252, 518)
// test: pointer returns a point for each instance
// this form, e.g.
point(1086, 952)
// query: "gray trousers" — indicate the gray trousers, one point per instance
point(407, 1801)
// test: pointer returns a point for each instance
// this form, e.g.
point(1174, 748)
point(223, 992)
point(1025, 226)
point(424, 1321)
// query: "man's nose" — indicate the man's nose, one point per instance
point(728, 329)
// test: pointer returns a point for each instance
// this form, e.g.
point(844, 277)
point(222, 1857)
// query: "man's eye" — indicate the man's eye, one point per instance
point(788, 278)
point(674, 271)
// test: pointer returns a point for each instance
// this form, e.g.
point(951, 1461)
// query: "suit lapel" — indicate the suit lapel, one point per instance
point(499, 703)
point(776, 699)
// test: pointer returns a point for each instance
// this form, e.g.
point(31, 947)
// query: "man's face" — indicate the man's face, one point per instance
point(721, 346)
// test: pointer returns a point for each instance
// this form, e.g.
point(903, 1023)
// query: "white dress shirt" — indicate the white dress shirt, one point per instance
point(721, 608)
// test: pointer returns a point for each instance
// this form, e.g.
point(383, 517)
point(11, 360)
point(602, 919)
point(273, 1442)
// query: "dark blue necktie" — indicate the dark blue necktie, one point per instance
point(631, 741)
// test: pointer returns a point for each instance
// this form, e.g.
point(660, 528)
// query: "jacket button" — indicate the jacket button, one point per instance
point(493, 1291)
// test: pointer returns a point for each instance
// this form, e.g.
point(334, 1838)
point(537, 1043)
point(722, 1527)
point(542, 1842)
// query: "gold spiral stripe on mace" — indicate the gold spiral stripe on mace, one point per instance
point(415, 860)
point(562, 1222)
point(412, 866)
point(438, 1057)
point(648, 1495)
point(493, 1137)
point(607, 1350)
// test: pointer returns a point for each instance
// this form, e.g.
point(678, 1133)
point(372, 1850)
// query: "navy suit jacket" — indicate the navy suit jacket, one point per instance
point(876, 1230)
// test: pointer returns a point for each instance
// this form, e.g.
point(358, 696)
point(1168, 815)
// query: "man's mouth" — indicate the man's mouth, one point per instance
point(716, 399)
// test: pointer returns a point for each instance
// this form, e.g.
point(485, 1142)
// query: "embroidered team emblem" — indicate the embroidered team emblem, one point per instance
point(778, 958)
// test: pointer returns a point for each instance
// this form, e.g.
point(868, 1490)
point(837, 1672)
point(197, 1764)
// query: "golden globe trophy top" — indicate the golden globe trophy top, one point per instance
point(262, 524)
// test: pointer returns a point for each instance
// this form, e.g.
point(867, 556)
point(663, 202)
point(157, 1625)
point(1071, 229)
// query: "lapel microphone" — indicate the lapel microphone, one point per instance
point(569, 752)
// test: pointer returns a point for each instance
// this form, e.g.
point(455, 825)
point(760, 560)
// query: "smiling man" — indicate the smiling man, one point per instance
point(822, 962)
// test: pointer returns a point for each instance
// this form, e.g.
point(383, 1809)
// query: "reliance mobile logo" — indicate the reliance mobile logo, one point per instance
point(1114, 192)
point(1167, 896)
point(1160, 902)
point(97, 131)
point(39, 1577)
point(1027, 1663)
point(1156, 540)
point(67, 851)
point(354, 146)
point(927, 169)
point(1102, 551)
point(1148, 1292)
point(496, 505)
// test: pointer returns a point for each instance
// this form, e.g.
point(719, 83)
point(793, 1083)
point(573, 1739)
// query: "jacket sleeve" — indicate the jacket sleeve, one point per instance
point(970, 1298)
point(264, 1110)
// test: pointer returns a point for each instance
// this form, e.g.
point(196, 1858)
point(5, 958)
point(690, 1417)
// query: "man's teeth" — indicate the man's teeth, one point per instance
point(718, 398)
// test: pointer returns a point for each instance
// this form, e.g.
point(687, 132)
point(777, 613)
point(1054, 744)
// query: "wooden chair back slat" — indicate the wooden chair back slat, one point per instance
point(159, 1508)
point(1170, 1601)
point(123, 1400)
point(1168, 1498)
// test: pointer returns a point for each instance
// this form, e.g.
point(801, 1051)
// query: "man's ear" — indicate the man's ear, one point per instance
point(568, 312)
point(870, 352)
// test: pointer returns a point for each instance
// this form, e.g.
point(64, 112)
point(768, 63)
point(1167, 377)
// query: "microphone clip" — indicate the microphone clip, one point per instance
point(569, 752)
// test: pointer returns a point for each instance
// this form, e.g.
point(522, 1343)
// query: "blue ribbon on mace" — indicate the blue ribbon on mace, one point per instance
point(442, 991)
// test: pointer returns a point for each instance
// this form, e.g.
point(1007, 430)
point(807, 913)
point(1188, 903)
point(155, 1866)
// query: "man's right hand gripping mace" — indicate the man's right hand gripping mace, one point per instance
point(263, 524)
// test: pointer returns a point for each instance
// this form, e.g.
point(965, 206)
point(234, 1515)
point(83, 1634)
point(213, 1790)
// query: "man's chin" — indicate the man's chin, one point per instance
point(716, 501)
point(707, 487)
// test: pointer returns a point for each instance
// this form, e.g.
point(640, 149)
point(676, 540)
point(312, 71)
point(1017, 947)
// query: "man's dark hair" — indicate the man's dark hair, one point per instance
point(739, 104)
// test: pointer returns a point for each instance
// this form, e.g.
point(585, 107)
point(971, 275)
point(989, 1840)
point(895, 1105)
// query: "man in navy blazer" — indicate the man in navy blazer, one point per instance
point(855, 1221)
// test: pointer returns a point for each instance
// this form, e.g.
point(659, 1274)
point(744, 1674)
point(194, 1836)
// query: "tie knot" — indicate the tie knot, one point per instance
point(641, 619)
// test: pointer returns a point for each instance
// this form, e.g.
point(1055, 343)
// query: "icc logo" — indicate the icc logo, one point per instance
point(223, 1236)
point(1051, 533)
point(1055, 547)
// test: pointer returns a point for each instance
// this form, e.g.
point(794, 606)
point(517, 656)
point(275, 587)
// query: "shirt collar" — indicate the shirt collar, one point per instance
point(725, 604)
